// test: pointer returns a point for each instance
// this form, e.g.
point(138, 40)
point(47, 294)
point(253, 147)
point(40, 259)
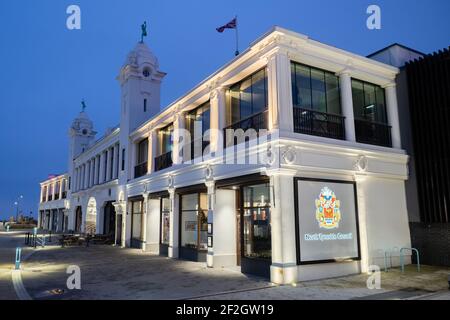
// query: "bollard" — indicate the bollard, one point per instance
point(18, 254)
point(7, 228)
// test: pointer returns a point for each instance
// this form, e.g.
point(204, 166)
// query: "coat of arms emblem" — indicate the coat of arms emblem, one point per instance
point(328, 213)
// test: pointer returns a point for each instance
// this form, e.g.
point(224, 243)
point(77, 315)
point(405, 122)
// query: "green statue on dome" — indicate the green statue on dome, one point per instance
point(143, 31)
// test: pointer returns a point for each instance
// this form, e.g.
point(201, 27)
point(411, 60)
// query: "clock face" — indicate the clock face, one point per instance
point(146, 73)
point(84, 132)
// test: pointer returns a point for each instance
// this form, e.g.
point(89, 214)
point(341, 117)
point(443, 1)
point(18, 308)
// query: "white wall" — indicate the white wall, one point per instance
point(386, 218)
point(224, 229)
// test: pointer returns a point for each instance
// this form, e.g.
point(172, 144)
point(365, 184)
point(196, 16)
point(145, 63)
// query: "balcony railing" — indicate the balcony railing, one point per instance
point(163, 161)
point(375, 133)
point(140, 170)
point(64, 195)
point(197, 148)
point(44, 199)
point(56, 196)
point(256, 122)
point(50, 198)
point(319, 123)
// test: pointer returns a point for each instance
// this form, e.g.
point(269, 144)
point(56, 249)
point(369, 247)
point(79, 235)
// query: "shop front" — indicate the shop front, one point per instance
point(137, 217)
point(165, 225)
point(193, 226)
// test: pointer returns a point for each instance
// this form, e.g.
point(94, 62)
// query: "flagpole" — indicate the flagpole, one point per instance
point(237, 39)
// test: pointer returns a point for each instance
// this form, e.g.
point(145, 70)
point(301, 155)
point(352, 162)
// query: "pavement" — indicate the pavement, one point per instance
point(8, 244)
point(109, 272)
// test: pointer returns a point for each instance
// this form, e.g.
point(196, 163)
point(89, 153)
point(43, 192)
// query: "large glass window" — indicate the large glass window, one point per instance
point(194, 221)
point(368, 102)
point(142, 151)
point(198, 123)
point(165, 220)
point(165, 139)
point(248, 97)
point(256, 222)
point(315, 89)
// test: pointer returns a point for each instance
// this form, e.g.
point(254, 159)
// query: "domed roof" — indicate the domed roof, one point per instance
point(141, 55)
point(82, 122)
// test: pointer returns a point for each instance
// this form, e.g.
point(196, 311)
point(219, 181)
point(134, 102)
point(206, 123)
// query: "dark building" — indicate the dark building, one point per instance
point(423, 88)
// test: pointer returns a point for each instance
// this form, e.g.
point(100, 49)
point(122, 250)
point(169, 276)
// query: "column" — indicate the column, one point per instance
point(284, 256)
point(113, 161)
point(144, 221)
point(54, 191)
point(102, 177)
point(218, 118)
point(47, 191)
point(92, 171)
point(178, 138)
point(174, 224)
point(86, 175)
point(108, 164)
point(61, 188)
point(152, 151)
point(117, 162)
point(211, 200)
point(345, 84)
point(76, 179)
point(96, 171)
point(281, 114)
point(392, 113)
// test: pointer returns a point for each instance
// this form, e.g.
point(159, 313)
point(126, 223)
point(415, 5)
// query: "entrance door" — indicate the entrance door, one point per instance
point(78, 217)
point(136, 223)
point(165, 226)
point(109, 221)
point(194, 227)
point(256, 242)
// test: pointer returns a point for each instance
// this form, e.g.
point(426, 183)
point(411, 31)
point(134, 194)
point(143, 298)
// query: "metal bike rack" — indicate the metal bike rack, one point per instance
point(402, 259)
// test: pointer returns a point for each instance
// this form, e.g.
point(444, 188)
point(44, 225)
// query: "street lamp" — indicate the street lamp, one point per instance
point(17, 207)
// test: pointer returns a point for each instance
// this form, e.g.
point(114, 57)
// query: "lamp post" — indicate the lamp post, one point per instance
point(17, 207)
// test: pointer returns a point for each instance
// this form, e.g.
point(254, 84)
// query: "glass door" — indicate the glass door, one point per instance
point(136, 224)
point(194, 226)
point(256, 235)
point(165, 226)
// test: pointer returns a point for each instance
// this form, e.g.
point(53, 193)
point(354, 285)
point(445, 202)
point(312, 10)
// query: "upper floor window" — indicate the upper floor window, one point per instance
point(315, 89)
point(165, 136)
point(369, 107)
point(142, 153)
point(142, 157)
point(248, 97)
point(368, 102)
point(198, 123)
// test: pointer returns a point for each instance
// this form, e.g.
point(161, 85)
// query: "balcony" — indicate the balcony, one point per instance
point(50, 198)
point(374, 133)
point(197, 148)
point(256, 122)
point(56, 196)
point(64, 195)
point(140, 170)
point(163, 161)
point(318, 123)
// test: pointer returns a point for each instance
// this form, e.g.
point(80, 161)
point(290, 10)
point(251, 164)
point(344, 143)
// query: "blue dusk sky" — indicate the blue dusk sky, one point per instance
point(47, 69)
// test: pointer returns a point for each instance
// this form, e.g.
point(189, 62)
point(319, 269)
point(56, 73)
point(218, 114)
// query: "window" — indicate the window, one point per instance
point(315, 89)
point(248, 97)
point(165, 220)
point(194, 221)
point(145, 105)
point(368, 102)
point(142, 152)
point(136, 223)
point(165, 139)
point(256, 222)
point(198, 123)
point(123, 159)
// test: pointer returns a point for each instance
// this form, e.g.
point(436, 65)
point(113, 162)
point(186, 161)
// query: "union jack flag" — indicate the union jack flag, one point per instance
point(230, 25)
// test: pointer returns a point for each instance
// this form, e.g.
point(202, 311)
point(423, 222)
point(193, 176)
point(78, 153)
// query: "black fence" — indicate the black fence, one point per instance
point(163, 161)
point(373, 133)
point(318, 123)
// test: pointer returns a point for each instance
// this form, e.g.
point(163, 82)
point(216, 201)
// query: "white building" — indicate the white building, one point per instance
point(326, 196)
